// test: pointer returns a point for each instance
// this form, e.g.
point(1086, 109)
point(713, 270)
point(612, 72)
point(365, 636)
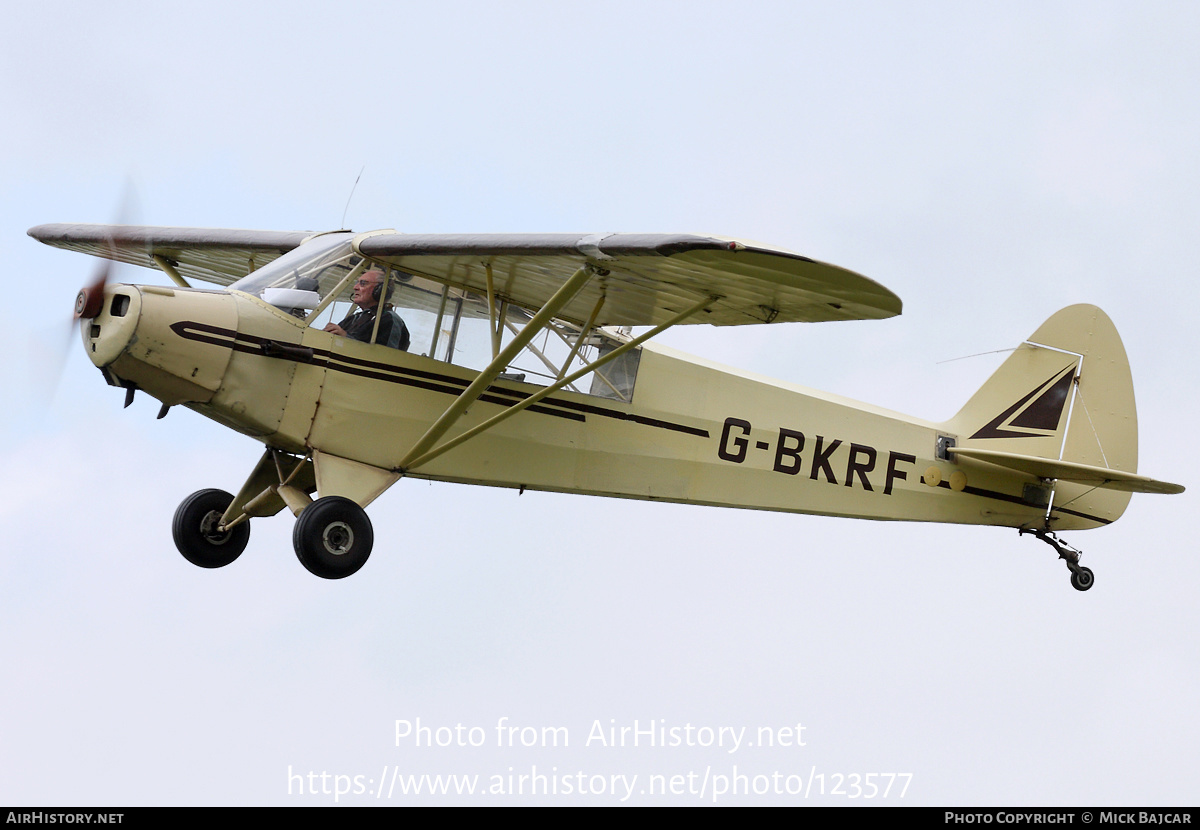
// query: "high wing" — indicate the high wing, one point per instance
point(218, 255)
point(645, 279)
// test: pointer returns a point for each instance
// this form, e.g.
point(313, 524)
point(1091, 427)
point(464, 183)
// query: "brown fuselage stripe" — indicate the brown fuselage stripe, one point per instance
point(432, 381)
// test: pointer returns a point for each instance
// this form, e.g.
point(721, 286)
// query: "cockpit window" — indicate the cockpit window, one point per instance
point(446, 323)
point(302, 277)
point(454, 325)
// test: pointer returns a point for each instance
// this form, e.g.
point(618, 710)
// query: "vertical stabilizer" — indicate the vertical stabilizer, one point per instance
point(1066, 393)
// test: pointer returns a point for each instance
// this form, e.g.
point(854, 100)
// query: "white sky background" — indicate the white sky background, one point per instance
point(990, 165)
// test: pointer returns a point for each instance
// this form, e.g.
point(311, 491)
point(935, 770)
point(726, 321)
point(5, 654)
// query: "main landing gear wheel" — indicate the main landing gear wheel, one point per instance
point(195, 530)
point(333, 537)
point(1082, 579)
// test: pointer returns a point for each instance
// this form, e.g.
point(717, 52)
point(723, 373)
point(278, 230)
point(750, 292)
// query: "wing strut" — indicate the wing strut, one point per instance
point(561, 297)
point(538, 353)
point(425, 457)
point(583, 332)
point(169, 269)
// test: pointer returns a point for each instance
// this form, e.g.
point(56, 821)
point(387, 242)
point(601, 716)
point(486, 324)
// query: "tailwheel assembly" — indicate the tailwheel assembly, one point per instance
point(1081, 578)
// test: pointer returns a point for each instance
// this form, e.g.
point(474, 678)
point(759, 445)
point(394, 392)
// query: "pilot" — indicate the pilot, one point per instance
point(358, 326)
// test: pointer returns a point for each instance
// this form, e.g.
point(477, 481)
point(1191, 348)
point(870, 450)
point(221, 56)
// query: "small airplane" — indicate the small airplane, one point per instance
point(509, 360)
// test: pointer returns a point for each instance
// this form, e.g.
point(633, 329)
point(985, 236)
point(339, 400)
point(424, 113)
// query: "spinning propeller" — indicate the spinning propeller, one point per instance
point(89, 302)
point(90, 298)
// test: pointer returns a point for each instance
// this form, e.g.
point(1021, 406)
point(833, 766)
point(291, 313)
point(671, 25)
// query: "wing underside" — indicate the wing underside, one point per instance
point(217, 255)
point(643, 279)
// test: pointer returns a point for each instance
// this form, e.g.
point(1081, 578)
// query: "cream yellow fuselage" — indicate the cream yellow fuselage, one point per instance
point(694, 432)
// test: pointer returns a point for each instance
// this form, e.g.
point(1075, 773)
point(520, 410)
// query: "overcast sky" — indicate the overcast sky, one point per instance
point(988, 163)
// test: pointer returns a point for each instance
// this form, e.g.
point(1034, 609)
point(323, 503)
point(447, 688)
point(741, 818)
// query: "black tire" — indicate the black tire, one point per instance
point(194, 530)
point(1082, 579)
point(333, 537)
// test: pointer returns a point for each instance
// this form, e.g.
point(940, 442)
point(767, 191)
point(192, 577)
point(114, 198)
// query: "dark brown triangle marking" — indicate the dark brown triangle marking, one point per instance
point(995, 427)
point(1045, 412)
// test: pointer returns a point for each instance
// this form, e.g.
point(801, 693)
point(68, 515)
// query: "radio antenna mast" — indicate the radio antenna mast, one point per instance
point(360, 172)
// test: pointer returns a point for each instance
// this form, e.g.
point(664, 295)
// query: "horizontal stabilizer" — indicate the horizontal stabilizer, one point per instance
point(1070, 471)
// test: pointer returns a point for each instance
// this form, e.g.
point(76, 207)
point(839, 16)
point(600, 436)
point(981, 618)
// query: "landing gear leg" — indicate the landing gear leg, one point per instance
point(1081, 578)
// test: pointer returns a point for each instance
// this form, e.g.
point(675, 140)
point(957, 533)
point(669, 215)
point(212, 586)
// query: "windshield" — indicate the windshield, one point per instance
point(316, 266)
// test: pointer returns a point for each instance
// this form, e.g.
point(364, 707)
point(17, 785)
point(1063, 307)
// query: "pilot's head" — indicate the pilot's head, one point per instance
point(368, 289)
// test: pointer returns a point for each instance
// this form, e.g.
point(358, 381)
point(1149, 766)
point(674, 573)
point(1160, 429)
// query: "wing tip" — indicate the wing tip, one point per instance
point(43, 233)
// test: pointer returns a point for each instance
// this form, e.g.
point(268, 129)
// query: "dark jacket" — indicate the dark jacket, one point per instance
point(392, 331)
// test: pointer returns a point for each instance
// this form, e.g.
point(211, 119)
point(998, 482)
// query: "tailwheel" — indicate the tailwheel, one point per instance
point(333, 537)
point(1081, 578)
point(197, 532)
